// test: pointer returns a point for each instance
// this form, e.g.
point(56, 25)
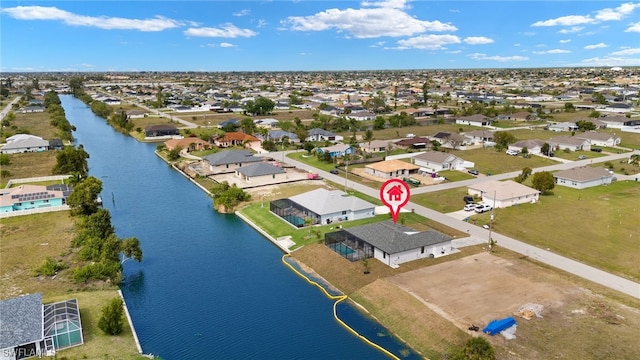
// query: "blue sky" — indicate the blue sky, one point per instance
point(315, 35)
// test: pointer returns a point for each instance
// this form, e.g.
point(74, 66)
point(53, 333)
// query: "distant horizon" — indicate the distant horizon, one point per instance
point(318, 36)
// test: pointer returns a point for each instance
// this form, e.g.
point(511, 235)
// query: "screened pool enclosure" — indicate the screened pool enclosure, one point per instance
point(348, 245)
point(62, 324)
point(293, 213)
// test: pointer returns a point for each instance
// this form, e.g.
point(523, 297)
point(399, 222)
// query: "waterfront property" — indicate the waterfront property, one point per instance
point(161, 131)
point(321, 206)
point(31, 329)
point(23, 143)
point(230, 160)
point(583, 177)
point(501, 194)
point(188, 143)
point(390, 243)
point(27, 197)
point(261, 172)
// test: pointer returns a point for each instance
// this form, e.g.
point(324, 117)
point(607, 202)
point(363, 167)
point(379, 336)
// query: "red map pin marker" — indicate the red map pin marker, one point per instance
point(395, 194)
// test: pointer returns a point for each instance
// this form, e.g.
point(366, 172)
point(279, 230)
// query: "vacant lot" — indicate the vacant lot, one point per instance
point(29, 165)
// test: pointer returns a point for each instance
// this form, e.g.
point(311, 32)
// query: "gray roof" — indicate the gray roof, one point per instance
point(436, 157)
point(260, 169)
point(318, 131)
point(393, 238)
point(32, 142)
point(584, 173)
point(231, 157)
point(20, 320)
point(323, 201)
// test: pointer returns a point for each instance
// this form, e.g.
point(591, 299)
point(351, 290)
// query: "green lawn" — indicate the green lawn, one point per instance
point(312, 160)
point(491, 161)
point(597, 226)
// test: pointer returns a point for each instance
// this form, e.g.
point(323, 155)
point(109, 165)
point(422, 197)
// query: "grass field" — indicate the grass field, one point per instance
point(37, 124)
point(597, 225)
point(25, 242)
point(29, 165)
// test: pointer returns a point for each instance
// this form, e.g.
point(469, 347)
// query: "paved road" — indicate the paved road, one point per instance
point(5, 111)
point(546, 256)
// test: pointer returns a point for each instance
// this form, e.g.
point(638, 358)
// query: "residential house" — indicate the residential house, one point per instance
point(32, 109)
point(569, 142)
point(24, 143)
point(474, 120)
point(188, 143)
point(136, 114)
point(161, 131)
point(434, 161)
point(600, 139)
point(563, 126)
point(229, 160)
point(261, 172)
point(392, 244)
point(228, 123)
point(31, 328)
point(534, 146)
point(501, 194)
point(374, 146)
point(267, 123)
point(237, 139)
point(391, 169)
point(331, 110)
point(418, 142)
point(280, 135)
point(337, 150)
point(449, 140)
point(27, 197)
point(619, 108)
point(484, 137)
point(317, 134)
point(361, 116)
point(322, 206)
point(420, 112)
point(583, 177)
point(615, 121)
point(517, 116)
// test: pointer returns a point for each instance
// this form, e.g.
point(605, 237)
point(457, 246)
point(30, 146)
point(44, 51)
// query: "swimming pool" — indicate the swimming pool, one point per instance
point(342, 249)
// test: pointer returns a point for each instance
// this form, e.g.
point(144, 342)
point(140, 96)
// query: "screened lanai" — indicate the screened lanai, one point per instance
point(293, 213)
point(62, 324)
point(348, 245)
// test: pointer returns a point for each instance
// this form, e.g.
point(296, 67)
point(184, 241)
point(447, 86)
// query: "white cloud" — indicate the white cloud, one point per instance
point(624, 52)
point(478, 56)
point(226, 45)
point(224, 31)
point(617, 13)
point(432, 42)
point(596, 46)
point(261, 23)
point(571, 30)
point(565, 41)
point(243, 12)
point(477, 40)
point(570, 20)
point(157, 23)
point(634, 27)
point(554, 51)
point(375, 19)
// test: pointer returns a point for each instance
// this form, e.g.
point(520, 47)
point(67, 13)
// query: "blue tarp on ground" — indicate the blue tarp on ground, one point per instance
point(495, 326)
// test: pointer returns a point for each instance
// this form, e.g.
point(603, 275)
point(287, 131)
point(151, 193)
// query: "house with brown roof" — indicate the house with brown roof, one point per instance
point(583, 177)
point(189, 143)
point(375, 146)
point(501, 194)
point(480, 136)
point(391, 169)
point(236, 139)
point(418, 142)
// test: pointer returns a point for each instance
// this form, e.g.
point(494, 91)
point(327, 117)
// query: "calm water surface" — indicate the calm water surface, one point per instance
point(209, 286)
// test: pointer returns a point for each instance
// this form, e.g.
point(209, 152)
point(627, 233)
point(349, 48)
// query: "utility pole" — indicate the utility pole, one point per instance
point(491, 221)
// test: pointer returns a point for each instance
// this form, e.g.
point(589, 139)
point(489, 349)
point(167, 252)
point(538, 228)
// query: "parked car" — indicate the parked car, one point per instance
point(470, 207)
point(480, 208)
point(473, 172)
point(334, 171)
point(582, 157)
point(468, 199)
point(513, 152)
point(596, 150)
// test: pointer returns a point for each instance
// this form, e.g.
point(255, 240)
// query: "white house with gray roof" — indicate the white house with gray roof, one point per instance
point(434, 161)
point(395, 244)
point(600, 139)
point(261, 172)
point(572, 143)
point(229, 160)
point(23, 143)
point(534, 146)
point(327, 206)
point(583, 177)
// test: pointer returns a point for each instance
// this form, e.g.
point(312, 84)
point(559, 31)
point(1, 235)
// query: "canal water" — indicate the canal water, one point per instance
point(209, 285)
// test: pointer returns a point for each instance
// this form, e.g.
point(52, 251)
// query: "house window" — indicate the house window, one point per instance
point(422, 250)
point(344, 212)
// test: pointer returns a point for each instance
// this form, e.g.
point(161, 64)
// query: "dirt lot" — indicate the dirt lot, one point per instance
point(479, 288)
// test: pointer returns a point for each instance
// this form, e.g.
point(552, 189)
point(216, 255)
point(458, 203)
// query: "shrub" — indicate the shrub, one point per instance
point(111, 321)
point(5, 159)
point(49, 267)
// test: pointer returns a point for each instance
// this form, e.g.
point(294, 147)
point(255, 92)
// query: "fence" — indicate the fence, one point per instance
point(41, 210)
point(36, 179)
